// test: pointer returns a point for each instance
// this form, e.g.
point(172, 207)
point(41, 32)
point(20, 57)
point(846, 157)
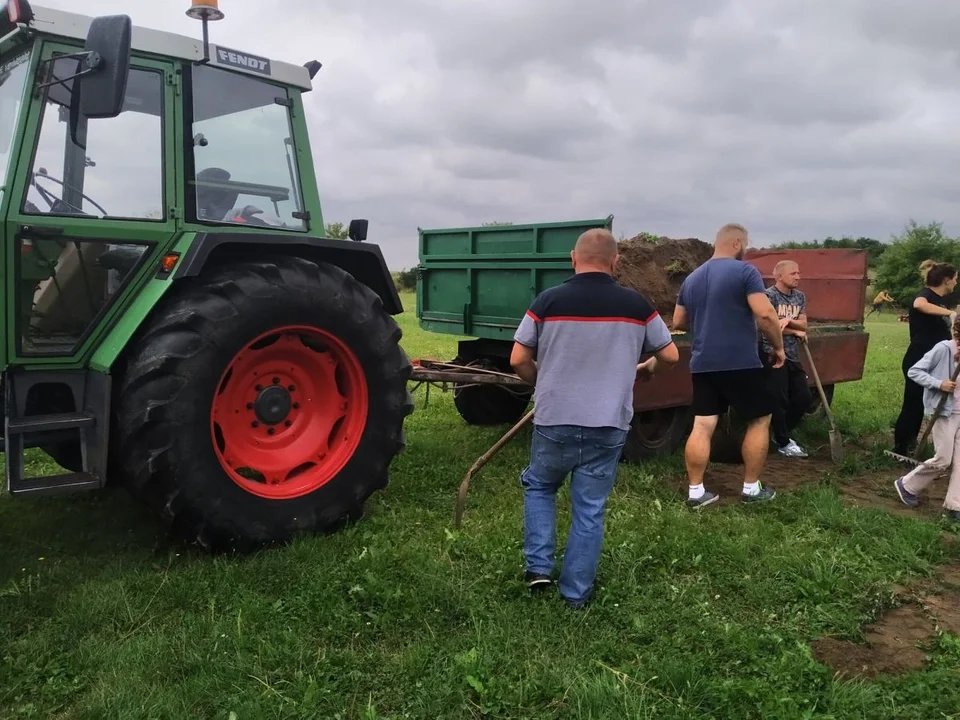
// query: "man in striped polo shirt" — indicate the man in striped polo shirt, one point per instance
point(580, 344)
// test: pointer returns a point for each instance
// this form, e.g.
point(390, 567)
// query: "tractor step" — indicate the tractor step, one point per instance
point(71, 425)
point(50, 423)
point(55, 484)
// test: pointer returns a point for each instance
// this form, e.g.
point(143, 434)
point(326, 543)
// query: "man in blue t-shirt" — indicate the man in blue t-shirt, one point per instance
point(723, 303)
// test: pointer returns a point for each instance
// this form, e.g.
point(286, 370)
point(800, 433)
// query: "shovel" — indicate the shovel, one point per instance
point(483, 460)
point(915, 460)
point(836, 442)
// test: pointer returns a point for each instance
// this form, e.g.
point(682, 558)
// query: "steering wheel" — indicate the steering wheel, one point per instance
point(53, 201)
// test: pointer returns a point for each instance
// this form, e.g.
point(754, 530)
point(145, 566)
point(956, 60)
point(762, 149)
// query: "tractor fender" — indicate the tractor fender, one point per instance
point(364, 262)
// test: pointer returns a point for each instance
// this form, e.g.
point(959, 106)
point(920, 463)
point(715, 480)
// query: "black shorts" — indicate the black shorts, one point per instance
point(748, 392)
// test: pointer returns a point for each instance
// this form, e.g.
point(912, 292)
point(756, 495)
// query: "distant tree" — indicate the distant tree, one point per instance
point(898, 272)
point(336, 230)
point(406, 280)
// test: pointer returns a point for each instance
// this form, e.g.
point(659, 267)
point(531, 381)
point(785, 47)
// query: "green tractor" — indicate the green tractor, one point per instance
point(175, 318)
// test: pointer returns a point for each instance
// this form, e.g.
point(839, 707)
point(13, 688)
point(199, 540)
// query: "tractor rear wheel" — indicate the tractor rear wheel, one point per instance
point(263, 400)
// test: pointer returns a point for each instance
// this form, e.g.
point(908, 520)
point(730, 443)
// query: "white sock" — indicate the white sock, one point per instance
point(696, 491)
point(751, 488)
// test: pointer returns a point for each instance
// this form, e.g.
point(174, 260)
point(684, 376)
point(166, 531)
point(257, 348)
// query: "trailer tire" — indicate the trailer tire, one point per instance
point(726, 446)
point(815, 405)
point(489, 404)
point(657, 433)
point(182, 426)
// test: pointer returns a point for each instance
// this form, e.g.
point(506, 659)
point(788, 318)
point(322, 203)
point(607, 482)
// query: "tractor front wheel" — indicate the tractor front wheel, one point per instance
point(263, 401)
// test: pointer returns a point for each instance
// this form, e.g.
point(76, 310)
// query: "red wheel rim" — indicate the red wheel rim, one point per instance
point(289, 412)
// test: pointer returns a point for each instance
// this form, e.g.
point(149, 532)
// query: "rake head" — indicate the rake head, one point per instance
point(902, 458)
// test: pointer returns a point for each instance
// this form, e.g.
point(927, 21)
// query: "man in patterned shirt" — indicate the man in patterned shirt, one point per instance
point(789, 382)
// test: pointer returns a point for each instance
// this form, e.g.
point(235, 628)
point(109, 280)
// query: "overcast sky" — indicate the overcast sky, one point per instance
point(798, 119)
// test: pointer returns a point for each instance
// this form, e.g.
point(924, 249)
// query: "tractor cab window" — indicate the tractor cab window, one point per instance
point(13, 75)
point(244, 158)
point(107, 167)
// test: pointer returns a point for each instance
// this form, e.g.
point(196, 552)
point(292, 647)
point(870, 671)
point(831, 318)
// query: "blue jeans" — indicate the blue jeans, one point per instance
point(590, 456)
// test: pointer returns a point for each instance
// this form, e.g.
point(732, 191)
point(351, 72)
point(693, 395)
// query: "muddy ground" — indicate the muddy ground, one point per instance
point(897, 641)
point(655, 267)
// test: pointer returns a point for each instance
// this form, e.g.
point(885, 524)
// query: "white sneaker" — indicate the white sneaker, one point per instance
point(791, 449)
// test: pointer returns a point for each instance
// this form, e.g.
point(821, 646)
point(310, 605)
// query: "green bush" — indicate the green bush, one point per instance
point(899, 269)
point(406, 280)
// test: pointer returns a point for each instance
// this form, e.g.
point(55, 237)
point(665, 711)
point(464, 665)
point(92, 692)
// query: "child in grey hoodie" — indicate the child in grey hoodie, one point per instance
point(933, 372)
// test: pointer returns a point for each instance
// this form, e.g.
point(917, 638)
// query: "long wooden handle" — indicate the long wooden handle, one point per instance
point(816, 378)
point(481, 461)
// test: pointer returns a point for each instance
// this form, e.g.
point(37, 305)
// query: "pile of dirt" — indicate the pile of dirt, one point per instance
point(656, 266)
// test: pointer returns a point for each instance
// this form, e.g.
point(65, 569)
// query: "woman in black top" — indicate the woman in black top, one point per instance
point(929, 324)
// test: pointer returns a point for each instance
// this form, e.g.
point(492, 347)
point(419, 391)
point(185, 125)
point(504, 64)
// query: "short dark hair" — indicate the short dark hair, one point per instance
point(940, 273)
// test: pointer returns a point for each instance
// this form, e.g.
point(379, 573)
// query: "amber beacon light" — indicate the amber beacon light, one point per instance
point(205, 11)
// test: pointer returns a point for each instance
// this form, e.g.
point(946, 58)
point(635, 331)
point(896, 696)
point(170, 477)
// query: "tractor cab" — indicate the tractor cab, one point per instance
point(134, 166)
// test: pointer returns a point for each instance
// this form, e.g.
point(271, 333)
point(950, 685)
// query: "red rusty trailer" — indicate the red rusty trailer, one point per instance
point(478, 282)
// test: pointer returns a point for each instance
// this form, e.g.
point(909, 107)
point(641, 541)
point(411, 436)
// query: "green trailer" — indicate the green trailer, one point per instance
point(174, 318)
point(477, 282)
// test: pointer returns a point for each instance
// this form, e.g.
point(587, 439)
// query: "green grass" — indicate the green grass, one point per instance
point(400, 616)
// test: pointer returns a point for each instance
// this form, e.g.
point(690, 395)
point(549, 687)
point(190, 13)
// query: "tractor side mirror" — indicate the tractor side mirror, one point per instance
point(358, 230)
point(107, 61)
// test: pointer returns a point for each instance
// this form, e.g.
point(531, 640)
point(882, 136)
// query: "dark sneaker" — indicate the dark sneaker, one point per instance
point(582, 604)
point(708, 498)
point(537, 582)
point(765, 495)
point(953, 515)
point(906, 497)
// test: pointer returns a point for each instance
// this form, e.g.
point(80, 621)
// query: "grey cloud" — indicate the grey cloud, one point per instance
point(802, 120)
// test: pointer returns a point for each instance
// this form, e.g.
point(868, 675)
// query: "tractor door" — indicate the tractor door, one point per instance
point(89, 213)
point(92, 210)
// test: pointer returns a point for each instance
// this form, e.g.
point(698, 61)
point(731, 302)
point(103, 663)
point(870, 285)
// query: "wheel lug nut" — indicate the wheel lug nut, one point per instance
point(276, 381)
point(296, 406)
point(271, 431)
point(291, 388)
point(288, 423)
point(255, 424)
point(258, 388)
point(249, 406)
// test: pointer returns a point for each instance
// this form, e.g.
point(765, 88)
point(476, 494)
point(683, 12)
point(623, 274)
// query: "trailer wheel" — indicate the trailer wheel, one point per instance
point(262, 401)
point(489, 404)
point(726, 446)
point(655, 433)
point(815, 405)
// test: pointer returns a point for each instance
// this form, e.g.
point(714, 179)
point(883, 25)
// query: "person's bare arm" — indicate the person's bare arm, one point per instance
point(659, 344)
point(928, 308)
point(522, 360)
point(663, 359)
point(679, 317)
point(796, 325)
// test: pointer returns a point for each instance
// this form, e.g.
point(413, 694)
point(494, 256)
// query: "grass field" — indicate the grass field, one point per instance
point(724, 614)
